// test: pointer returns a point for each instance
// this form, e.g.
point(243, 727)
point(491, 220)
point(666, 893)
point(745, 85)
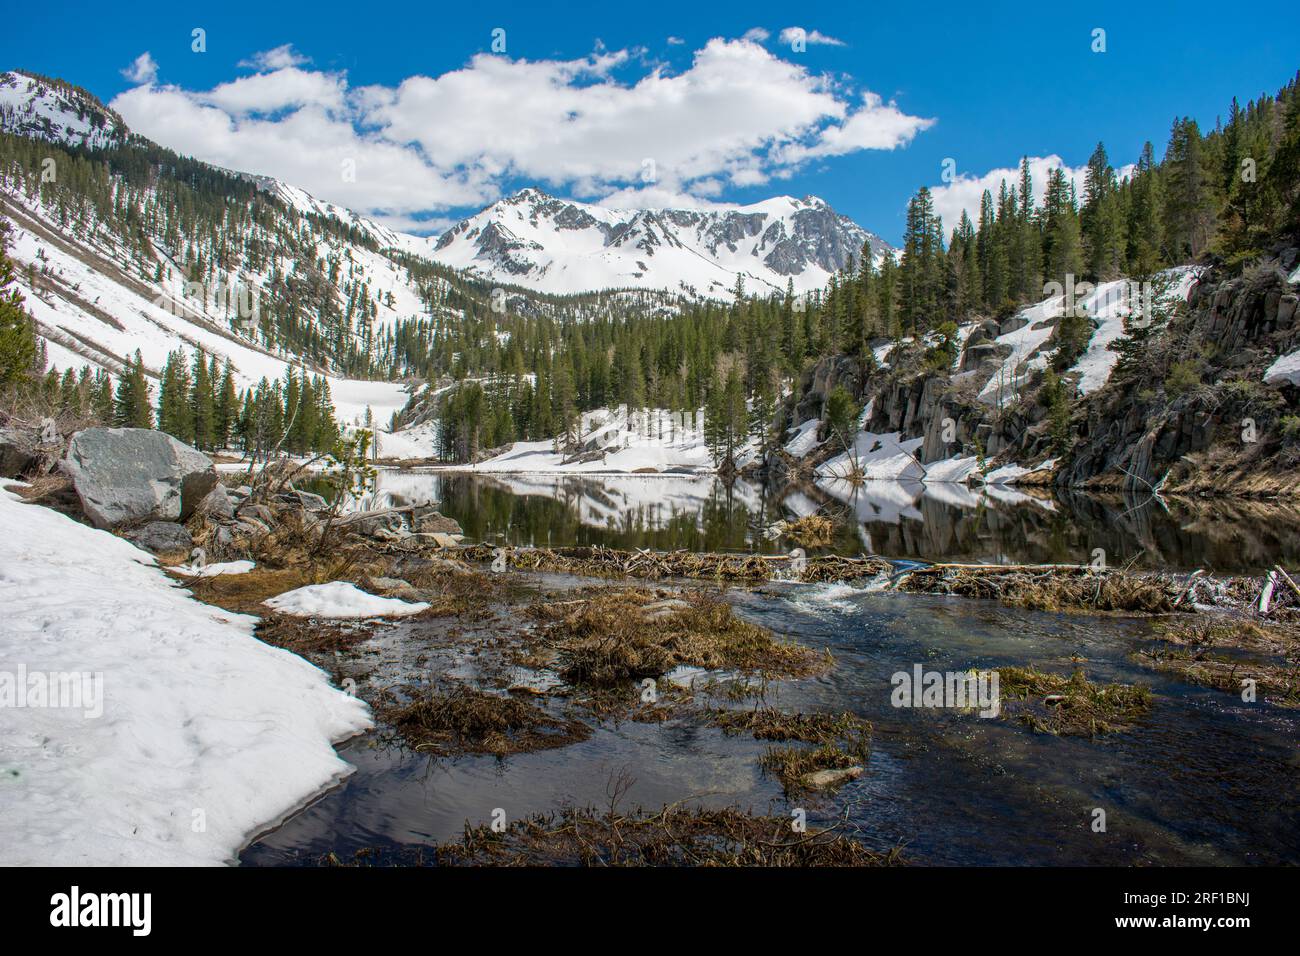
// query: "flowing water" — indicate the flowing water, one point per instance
point(1204, 779)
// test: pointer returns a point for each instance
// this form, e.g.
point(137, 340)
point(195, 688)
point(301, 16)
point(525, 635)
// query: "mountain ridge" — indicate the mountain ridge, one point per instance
point(551, 244)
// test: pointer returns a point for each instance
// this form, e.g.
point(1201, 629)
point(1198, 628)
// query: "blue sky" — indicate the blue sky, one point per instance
point(584, 113)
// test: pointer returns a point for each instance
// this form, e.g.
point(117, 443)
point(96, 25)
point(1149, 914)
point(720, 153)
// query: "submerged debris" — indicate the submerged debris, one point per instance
point(1074, 706)
point(802, 769)
point(674, 836)
point(844, 742)
point(765, 723)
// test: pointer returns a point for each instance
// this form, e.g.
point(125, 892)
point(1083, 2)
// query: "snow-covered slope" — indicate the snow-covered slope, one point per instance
point(614, 442)
point(191, 734)
point(92, 309)
point(1107, 305)
point(48, 109)
point(553, 245)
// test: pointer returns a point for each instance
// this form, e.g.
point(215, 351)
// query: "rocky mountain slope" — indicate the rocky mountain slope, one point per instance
point(1200, 399)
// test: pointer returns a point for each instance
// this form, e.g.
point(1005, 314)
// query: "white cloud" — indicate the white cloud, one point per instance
point(142, 70)
point(873, 125)
point(675, 41)
point(278, 59)
point(966, 191)
point(737, 116)
point(756, 35)
point(810, 37)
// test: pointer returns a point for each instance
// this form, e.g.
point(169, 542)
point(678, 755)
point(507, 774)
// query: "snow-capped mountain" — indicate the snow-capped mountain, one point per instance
point(554, 245)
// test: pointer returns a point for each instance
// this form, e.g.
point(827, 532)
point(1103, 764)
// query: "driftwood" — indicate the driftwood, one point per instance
point(349, 518)
point(656, 565)
point(1080, 587)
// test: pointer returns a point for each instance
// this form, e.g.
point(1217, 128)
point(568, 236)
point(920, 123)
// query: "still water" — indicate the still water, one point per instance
point(894, 519)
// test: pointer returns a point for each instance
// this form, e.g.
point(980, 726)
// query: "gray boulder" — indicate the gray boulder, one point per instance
point(136, 474)
point(19, 452)
point(260, 512)
point(161, 537)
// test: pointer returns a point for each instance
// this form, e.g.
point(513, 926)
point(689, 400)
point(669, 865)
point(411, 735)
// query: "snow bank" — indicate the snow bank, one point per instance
point(206, 734)
point(951, 470)
point(341, 600)
point(883, 457)
point(805, 438)
point(618, 443)
point(1107, 308)
point(1006, 475)
point(1285, 371)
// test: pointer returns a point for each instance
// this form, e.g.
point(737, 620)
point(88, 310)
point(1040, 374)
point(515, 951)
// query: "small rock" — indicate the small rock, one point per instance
point(823, 779)
point(662, 609)
point(441, 540)
point(259, 511)
point(311, 502)
point(396, 587)
point(432, 521)
point(161, 537)
point(217, 504)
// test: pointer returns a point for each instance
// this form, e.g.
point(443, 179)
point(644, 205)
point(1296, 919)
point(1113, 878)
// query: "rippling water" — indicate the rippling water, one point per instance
point(1206, 779)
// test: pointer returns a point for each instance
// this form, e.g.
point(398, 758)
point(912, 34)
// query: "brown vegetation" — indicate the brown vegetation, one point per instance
point(1074, 705)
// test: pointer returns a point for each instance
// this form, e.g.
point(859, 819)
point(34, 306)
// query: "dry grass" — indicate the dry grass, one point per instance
point(466, 720)
point(1226, 654)
point(765, 723)
point(611, 638)
point(674, 836)
point(52, 491)
point(843, 741)
point(811, 531)
point(1074, 706)
point(793, 766)
point(1051, 589)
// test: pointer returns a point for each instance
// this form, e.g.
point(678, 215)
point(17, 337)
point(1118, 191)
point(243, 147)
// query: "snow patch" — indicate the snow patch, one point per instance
point(339, 599)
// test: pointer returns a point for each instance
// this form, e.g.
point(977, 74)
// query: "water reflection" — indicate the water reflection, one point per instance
point(906, 519)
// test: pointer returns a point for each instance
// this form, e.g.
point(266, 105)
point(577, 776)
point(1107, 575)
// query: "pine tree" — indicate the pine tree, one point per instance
point(202, 403)
point(131, 408)
point(1188, 216)
point(17, 339)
